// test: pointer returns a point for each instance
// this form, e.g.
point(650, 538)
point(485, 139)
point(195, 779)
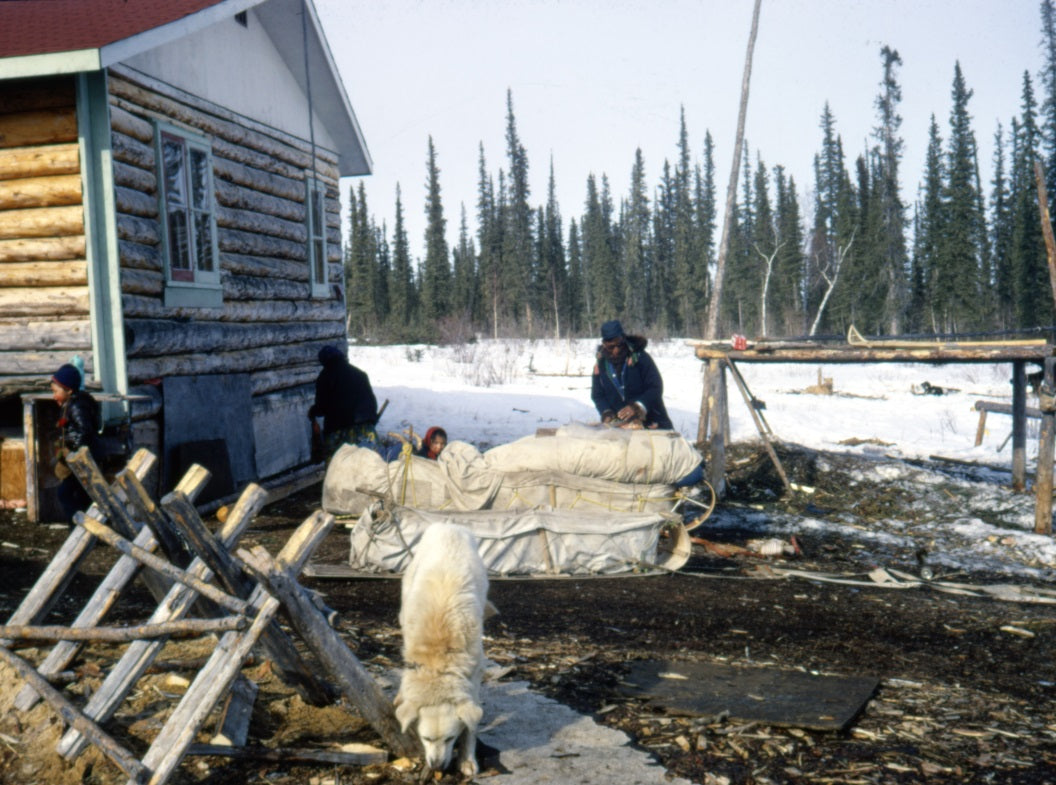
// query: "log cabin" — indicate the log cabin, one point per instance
point(169, 211)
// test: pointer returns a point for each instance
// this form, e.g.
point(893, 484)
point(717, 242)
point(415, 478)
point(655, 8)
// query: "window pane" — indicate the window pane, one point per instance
point(203, 242)
point(179, 247)
point(319, 260)
point(200, 180)
point(317, 212)
point(172, 154)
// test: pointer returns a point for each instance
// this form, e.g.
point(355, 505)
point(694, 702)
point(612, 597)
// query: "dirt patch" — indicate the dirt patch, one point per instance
point(966, 690)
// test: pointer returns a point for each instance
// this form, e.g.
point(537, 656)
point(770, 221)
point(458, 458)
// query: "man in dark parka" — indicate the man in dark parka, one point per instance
point(627, 386)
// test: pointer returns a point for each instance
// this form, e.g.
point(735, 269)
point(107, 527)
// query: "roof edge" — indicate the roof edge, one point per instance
point(50, 64)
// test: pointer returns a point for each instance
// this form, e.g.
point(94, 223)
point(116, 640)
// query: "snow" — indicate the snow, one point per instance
point(491, 392)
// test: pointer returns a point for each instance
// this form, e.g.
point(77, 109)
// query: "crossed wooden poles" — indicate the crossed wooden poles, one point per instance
point(236, 594)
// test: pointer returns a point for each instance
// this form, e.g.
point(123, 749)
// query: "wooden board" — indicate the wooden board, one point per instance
point(752, 694)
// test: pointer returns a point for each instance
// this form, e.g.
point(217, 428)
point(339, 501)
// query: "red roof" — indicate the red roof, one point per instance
point(30, 27)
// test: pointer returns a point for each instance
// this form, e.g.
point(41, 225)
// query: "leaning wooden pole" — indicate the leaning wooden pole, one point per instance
point(712, 329)
point(1046, 225)
point(1046, 439)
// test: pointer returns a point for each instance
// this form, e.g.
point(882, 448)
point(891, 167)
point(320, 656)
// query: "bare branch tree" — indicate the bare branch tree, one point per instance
point(837, 264)
point(769, 262)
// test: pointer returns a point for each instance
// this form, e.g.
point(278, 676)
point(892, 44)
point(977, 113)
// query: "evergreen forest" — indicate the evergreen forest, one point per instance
point(965, 258)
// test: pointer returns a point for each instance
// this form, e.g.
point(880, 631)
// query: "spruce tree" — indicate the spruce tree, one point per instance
point(436, 268)
point(789, 266)
point(956, 286)
point(401, 285)
point(490, 240)
point(661, 311)
point(637, 274)
point(706, 217)
point(518, 242)
point(578, 291)
point(360, 266)
point(552, 265)
point(1001, 236)
point(889, 242)
point(599, 259)
point(928, 233)
point(1032, 298)
point(685, 253)
point(464, 288)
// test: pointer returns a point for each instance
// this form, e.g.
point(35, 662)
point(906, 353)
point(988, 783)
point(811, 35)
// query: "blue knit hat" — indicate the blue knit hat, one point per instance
point(68, 376)
point(611, 329)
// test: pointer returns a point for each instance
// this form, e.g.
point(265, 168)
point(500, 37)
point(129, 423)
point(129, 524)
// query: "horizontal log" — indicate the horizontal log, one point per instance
point(18, 162)
point(42, 222)
point(70, 273)
point(235, 196)
point(45, 92)
point(52, 191)
point(290, 754)
point(243, 264)
point(44, 301)
point(238, 241)
point(998, 407)
point(151, 337)
point(136, 306)
point(249, 221)
point(42, 249)
point(67, 335)
point(182, 628)
point(20, 384)
point(139, 256)
point(131, 151)
point(42, 126)
point(43, 363)
point(150, 97)
point(138, 230)
point(261, 382)
point(127, 123)
point(252, 287)
point(259, 359)
point(940, 354)
point(259, 180)
point(146, 282)
point(132, 202)
point(135, 178)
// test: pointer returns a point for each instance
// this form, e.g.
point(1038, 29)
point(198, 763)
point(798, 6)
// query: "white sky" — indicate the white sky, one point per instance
point(592, 80)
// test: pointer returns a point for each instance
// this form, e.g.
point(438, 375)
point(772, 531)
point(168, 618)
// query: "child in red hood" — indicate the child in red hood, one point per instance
point(434, 443)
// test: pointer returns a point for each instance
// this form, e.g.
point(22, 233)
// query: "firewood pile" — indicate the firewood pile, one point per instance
point(204, 585)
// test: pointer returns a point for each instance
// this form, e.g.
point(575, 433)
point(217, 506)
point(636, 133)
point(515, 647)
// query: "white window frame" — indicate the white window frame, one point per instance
point(317, 247)
point(195, 281)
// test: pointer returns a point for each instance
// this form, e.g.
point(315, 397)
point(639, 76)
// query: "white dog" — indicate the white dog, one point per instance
point(442, 608)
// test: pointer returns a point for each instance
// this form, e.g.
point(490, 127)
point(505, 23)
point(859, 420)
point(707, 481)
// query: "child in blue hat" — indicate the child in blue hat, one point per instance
point(78, 427)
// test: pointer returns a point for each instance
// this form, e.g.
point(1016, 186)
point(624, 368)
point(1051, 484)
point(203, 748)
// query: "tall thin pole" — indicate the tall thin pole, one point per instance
point(731, 193)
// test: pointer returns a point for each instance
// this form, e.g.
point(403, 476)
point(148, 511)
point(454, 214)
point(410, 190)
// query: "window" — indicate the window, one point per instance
point(188, 218)
point(316, 217)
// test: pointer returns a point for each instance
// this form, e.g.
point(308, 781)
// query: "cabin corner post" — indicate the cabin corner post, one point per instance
point(1046, 437)
point(100, 228)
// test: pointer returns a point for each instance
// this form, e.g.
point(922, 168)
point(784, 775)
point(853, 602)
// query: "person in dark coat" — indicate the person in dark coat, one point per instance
point(627, 388)
point(78, 427)
point(345, 400)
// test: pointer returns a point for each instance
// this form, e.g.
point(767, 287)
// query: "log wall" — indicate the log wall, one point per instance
point(43, 268)
point(268, 325)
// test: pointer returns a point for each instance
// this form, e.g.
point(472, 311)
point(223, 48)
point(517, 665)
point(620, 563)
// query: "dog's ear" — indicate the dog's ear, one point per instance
point(405, 714)
point(470, 713)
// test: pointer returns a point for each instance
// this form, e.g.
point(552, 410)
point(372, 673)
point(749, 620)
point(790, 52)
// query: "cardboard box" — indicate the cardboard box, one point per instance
point(12, 469)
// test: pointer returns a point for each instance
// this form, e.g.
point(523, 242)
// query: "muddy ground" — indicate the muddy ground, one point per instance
point(967, 684)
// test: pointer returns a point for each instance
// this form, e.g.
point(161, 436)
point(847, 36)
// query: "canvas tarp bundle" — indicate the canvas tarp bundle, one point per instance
point(575, 467)
point(618, 454)
point(527, 542)
point(462, 479)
